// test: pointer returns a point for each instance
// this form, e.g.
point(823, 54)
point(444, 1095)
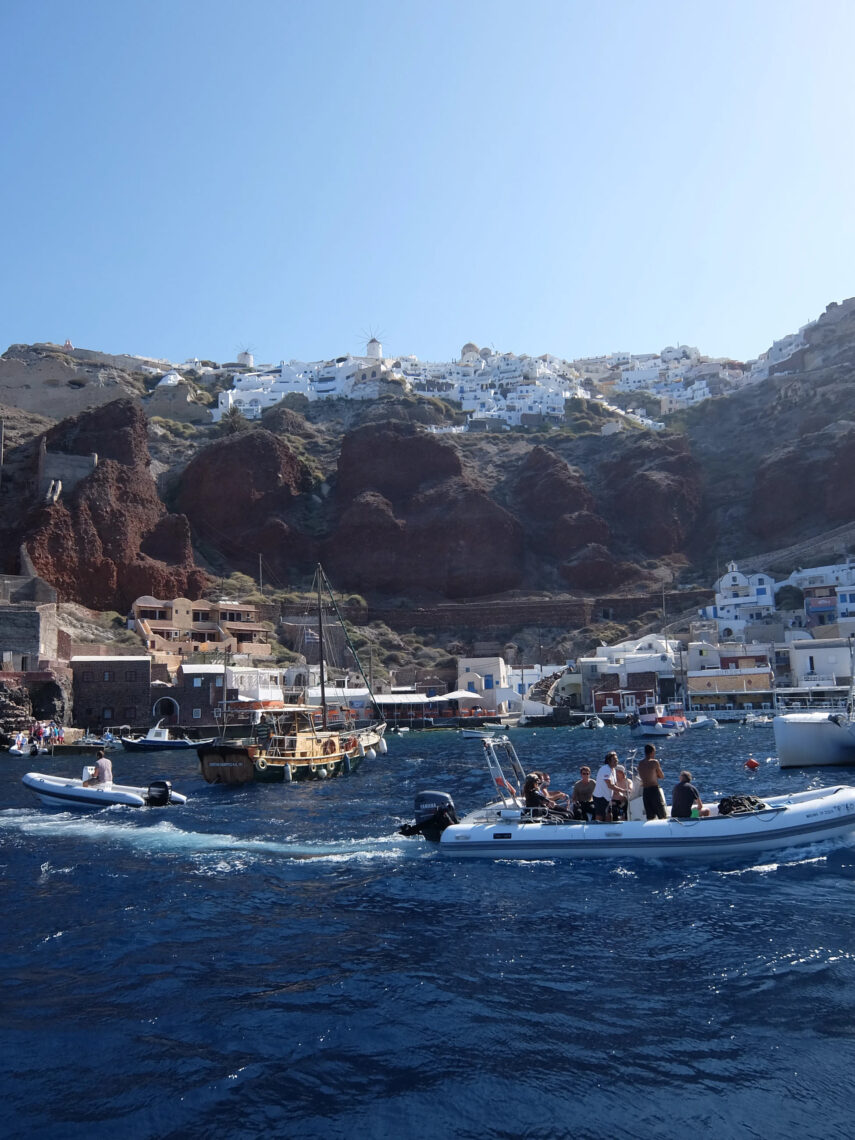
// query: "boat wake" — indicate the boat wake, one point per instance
point(164, 838)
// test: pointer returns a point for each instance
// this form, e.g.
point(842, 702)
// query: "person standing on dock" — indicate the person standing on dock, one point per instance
point(651, 773)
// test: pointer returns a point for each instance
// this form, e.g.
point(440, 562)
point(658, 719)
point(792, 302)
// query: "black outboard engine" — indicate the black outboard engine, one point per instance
point(434, 812)
point(159, 793)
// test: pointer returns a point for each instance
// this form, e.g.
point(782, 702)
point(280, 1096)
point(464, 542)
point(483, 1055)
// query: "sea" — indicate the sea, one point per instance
point(277, 961)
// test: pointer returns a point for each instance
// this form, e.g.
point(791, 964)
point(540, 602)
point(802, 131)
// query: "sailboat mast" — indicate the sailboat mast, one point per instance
point(321, 645)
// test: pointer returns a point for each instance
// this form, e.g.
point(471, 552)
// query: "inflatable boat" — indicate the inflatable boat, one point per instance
point(65, 792)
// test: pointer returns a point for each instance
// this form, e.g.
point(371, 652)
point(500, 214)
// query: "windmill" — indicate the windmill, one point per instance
point(373, 345)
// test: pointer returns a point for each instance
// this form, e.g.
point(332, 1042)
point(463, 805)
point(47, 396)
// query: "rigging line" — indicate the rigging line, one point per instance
point(350, 644)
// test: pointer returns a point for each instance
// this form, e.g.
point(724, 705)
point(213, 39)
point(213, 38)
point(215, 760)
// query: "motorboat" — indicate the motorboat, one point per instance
point(658, 720)
point(702, 721)
point(593, 722)
point(65, 792)
point(506, 829)
point(480, 732)
point(160, 737)
point(756, 720)
point(815, 739)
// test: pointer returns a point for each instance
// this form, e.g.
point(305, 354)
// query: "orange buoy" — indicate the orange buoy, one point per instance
point(751, 764)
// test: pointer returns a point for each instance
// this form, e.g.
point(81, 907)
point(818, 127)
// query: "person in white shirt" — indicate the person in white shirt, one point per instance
point(606, 786)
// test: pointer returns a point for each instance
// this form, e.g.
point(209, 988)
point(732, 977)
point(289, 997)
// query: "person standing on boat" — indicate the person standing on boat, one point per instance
point(103, 772)
point(605, 788)
point(651, 773)
point(685, 798)
point(583, 795)
point(620, 797)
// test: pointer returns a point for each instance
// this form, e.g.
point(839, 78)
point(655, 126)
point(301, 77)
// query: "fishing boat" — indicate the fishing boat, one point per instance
point(160, 736)
point(65, 792)
point(658, 720)
point(506, 829)
point(298, 741)
point(815, 738)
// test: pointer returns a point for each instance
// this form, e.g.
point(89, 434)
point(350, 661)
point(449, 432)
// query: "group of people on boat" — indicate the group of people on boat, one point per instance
point(606, 797)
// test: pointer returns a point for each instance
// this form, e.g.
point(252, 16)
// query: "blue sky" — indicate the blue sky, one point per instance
point(192, 177)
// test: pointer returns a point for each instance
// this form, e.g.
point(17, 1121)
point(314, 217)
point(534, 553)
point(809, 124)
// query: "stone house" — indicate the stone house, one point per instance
point(109, 692)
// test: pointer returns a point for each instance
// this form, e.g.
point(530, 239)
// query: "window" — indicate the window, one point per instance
point(87, 675)
point(197, 682)
point(107, 713)
point(488, 680)
point(108, 675)
point(130, 674)
point(129, 713)
point(471, 687)
point(197, 714)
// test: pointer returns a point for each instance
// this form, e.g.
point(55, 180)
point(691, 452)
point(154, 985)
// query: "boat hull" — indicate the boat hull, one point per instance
point(787, 821)
point(814, 740)
point(236, 763)
point(66, 793)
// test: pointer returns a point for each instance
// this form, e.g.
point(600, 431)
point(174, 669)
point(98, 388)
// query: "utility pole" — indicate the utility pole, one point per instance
point(260, 578)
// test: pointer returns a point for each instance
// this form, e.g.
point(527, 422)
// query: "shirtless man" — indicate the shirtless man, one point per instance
point(651, 773)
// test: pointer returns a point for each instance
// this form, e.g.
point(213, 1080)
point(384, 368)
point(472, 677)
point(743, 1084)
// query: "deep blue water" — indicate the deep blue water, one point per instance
point(277, 961)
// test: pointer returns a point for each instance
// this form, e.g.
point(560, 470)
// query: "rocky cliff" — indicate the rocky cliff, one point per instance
point(393, 510)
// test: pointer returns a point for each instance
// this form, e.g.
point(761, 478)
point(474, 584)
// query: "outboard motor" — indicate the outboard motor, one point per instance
point(159, 793)
point(434, 812)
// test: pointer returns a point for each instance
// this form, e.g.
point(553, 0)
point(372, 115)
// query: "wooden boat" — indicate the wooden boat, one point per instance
point(160, 737)
point(291, 744)
point(296, 741)
point(65, 792)
point(506, 829)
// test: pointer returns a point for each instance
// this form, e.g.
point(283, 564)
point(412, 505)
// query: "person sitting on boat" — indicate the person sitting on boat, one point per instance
point(605, 788)
point(583, 795)
point(620, 797)
point(651, 773)
point(685, 798)
point(536, 798)
point(103, 772)
point(558, 800)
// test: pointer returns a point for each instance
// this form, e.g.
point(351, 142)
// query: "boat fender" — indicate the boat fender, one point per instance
point(287, 774)
point(345, 764)
point(371, 754)
point(361, 749)
point(321, 772)
point(261, 764)
point(382, 746)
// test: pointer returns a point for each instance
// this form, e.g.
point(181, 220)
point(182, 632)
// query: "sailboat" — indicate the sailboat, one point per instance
point(298, 741)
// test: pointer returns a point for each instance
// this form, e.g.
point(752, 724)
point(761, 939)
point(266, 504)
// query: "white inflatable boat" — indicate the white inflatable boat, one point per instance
point(65, 792)
point(505, 829)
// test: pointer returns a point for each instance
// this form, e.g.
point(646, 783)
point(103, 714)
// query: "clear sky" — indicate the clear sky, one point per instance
point(192, 177)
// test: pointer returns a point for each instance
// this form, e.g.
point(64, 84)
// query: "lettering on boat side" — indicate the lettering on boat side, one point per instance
point(501, 835)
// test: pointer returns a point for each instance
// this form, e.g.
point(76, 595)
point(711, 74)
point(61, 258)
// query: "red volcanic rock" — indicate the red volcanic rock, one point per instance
point(118, 430)
point(450, 540)
point(234, 486)
point(394, 459)
point(797, 485)
point(555, 506)
point(97, 545)
point(595, 569)
point(653, 493)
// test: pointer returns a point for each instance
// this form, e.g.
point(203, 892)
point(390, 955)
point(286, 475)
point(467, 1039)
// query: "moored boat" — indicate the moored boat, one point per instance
point(160, 737)
point(506, 829)
point(658, 720)
point(702, 721)
point(593, 722)
point(65, 792)
point(291, 744)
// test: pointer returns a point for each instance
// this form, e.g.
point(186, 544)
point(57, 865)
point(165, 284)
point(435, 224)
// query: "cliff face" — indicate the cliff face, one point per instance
point(111, 539)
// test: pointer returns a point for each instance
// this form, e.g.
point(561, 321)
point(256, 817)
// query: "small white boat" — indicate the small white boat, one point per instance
point(159, 737)
point(754, 720)
point(506, 829)
point(658, 720)
point(65, 792)
point(593, 722)
point(480, 732)
point(702, 721)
